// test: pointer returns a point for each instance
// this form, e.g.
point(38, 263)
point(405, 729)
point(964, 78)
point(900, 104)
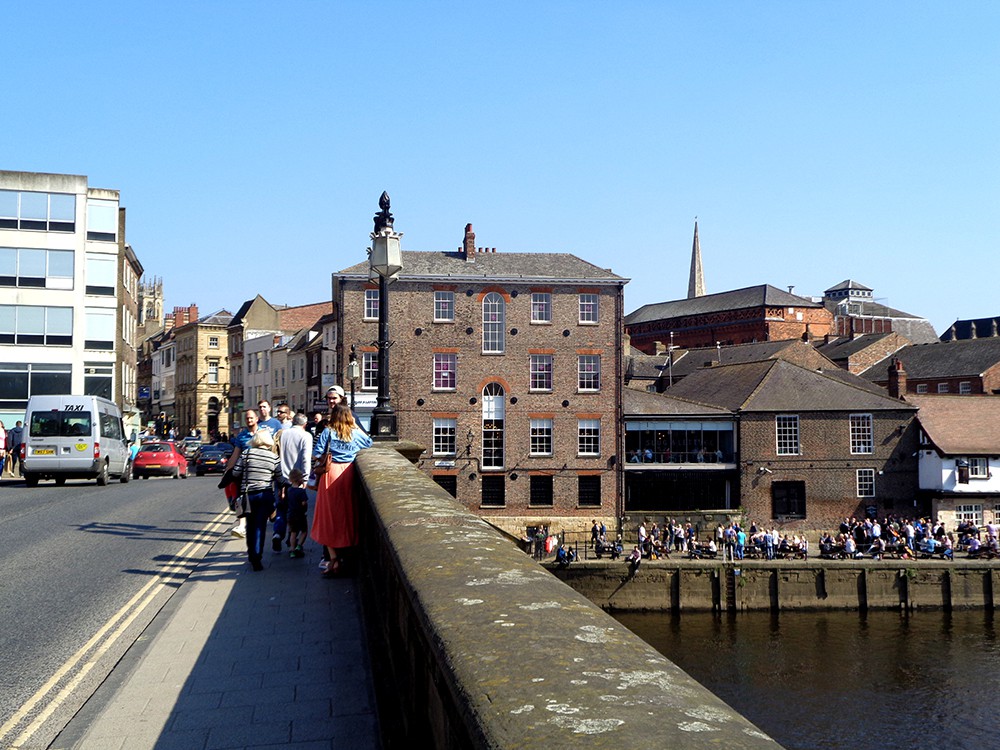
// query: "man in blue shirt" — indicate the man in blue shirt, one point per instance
point(266, 420)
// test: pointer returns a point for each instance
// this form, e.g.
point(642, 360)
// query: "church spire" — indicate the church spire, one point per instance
point(696, 282)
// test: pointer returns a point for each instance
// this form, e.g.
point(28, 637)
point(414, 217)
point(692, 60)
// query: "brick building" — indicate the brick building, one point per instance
point(966, 367)
point(813, 446)
point(508, 368)
point(741, 316)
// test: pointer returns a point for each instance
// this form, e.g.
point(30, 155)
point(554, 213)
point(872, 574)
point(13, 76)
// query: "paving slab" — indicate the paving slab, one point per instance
point(241, 659)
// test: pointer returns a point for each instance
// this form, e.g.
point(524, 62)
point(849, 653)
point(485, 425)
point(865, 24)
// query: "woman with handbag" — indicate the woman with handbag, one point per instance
point(335, 517)
point(257, 471)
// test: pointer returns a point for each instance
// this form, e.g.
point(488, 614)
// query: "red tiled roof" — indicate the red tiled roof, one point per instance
point(961, 425)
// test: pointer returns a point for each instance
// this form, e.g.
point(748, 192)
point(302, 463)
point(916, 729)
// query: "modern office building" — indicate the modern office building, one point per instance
point(68, 308)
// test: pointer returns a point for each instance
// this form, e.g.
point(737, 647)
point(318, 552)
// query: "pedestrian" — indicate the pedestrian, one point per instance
point(265, 418)
point(298, 507)
point(240, 443)
point(257, 471)
point(16, 435)
point(295, 448)
point(335, 517)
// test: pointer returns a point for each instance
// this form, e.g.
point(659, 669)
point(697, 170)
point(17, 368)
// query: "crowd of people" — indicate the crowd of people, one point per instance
point(856, 538)
point(278, 463)
point(909, 538)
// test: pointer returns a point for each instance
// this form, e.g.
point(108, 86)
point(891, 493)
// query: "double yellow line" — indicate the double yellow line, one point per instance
point(75, 668)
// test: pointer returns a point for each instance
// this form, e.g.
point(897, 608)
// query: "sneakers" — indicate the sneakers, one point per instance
point(297, 552)
point(276, 543)
point(239, 531)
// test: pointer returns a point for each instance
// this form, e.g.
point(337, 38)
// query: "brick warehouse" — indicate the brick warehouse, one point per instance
point(814, 445)
point(508, 368)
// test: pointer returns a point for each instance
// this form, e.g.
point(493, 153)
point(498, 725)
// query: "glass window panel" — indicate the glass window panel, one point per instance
point(8, 203)
point(102, 216)
point(59, 321)
point(100, 271)
point(100, 325)
point(8, 261)
point(49, 383)
point(8, 314)
point(34, 205)
point(30, 319)
point(31, 263)
point(13, 385)
point(62, 207)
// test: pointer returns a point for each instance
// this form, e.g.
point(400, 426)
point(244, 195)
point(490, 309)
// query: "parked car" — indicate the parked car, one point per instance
point(211, 459)
point(159, 459)
point(189, 446)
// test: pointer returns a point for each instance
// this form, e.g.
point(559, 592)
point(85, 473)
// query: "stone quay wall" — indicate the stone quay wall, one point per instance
point(780, 585)
point(475, 645)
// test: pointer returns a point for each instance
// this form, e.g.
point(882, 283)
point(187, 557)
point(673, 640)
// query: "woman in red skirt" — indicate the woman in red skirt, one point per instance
point(335, 517)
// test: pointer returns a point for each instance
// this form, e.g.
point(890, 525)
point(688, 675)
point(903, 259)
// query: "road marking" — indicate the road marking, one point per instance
point(106, 636)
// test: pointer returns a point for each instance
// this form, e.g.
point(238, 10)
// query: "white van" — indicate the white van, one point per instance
point(74, 437)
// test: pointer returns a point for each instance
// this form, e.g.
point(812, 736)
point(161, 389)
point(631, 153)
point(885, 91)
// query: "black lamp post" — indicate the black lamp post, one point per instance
point(386, 260)
point(353, 373)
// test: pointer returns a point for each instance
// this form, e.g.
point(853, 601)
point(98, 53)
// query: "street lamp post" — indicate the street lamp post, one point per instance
point(385, 261)
point(353, 373)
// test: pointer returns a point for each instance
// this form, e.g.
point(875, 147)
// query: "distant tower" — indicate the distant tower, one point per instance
point(696, 283)
point(151, 301)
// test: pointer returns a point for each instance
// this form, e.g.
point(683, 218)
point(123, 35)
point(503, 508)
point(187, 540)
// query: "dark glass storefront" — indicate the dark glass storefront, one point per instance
point(681, 490)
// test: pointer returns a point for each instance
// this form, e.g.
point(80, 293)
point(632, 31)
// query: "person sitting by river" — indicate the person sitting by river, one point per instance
point(850, 547)
point(565, 555)
point(600, 545)
point(826, 544)
point(974, 546)
point(877, 548)
point(616, 548)
point(634, 560)
point(929, 547)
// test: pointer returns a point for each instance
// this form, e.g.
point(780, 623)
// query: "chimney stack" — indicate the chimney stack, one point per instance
point(469, 244)
point(897, 380)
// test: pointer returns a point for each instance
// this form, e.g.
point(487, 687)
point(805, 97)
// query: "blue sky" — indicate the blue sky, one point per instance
point(814, 141)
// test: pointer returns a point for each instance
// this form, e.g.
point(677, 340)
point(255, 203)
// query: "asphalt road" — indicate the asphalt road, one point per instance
point(83, 569)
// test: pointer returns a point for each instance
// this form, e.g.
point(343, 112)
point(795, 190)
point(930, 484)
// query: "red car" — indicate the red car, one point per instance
point(159, 459)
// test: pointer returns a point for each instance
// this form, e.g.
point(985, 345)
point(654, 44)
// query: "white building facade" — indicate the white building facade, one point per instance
point(61, 262)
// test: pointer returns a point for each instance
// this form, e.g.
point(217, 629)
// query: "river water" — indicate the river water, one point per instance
point(844, 679)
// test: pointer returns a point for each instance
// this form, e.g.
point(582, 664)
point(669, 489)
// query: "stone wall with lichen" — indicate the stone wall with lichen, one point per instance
point(475, 645)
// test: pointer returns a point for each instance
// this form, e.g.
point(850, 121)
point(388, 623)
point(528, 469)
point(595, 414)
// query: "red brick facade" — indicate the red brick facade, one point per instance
point(417, 337)
point(729, 327)
point(827, 468)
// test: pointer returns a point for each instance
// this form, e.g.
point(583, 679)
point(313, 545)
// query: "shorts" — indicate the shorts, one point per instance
point(298, 501)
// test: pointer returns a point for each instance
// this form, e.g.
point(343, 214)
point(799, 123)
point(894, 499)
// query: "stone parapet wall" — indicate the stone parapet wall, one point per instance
point(476, 646)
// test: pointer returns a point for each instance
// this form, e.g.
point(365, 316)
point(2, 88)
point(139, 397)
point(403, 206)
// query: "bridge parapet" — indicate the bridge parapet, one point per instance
point(475, 645)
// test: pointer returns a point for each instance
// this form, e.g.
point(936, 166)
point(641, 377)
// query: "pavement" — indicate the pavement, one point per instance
point(241, 659)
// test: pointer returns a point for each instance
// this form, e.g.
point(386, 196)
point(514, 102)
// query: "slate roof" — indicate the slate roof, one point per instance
point(961, 425)
point(777, 385)
point(687, 361)
point(843, 347)
point(763, 295)
point(218, 318)
point(552, 267)
point(642, 403)
point(849, 284)
point(962, 329)
point(942, 359)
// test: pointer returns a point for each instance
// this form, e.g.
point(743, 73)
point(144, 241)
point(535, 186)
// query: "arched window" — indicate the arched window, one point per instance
point(493, 414)
point(493, 322)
